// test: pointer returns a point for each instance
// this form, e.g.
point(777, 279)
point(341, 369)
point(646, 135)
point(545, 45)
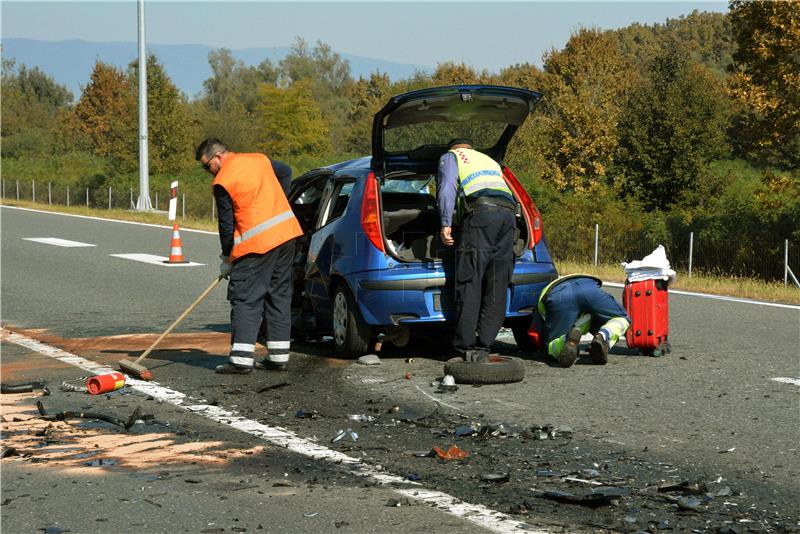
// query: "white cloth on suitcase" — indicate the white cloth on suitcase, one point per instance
point(654, 266)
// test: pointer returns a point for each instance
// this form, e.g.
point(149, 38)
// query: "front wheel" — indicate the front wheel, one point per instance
point(351, 335)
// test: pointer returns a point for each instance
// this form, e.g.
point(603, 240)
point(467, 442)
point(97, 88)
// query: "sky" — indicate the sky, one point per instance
point(484, 35)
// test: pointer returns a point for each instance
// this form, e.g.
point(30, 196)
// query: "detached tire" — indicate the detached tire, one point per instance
point(351, 335)
point(497, 370)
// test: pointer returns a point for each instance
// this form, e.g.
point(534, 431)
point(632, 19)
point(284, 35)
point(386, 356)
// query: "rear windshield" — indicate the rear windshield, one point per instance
point(483, 134)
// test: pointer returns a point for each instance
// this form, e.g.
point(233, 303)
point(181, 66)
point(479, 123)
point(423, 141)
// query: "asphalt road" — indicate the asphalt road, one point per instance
point(709, 411)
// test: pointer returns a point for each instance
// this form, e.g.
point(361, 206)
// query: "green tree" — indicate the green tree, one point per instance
point(105, 118)
point(367, 97)
point(767, 80)
point(674, 125)
point(584, 85)
point(169, 128)
point(32, 104)
point(291, 121)
point(231, 78)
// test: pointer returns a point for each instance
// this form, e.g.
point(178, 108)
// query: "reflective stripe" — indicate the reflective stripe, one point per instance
point(614, 329)
point(243, 347)
point(278, 344)
point(264, 226)
point(478, 174)
point(278, 358)
point(241, 361)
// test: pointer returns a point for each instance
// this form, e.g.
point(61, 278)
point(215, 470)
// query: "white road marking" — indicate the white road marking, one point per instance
point(154, 260)
point(106, 220)
point(720, 297)
point(480, 515)
point(58, 242)
point(787, 380)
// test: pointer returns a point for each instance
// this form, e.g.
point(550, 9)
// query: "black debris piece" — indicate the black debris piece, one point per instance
point(21, 388)
point(302, 414)
point(496, 477)
point(687, 486)
point(273, 386)
point(5, 452)
point(597, 497)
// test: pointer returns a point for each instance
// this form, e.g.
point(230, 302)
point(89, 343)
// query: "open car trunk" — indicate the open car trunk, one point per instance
point(411, 221)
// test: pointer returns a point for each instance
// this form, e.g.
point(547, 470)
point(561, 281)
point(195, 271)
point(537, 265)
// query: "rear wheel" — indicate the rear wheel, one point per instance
point(351, 335)
point(520, 331)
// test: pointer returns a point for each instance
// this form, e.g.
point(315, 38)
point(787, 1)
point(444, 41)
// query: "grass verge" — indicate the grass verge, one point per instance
point(749, 288)
point(728, 286)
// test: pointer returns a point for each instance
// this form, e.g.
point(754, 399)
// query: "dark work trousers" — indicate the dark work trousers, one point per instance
point(484, 264)
point(260, 290)
point(573, 297)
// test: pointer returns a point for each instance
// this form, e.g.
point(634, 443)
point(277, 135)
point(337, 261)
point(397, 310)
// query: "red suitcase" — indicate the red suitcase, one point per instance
point(648, 308)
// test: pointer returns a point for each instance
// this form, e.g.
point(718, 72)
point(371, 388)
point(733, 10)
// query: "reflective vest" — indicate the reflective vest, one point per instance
point(557, 281)
point(263, 219)
point(477, 173)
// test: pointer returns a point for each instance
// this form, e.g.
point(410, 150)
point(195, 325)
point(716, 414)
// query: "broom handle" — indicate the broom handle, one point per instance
point(179, 319)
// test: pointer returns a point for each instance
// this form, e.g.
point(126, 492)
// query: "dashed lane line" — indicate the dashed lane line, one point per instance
point(58, 242)
point(152, 259)
point(788, 380)
point(482, 516)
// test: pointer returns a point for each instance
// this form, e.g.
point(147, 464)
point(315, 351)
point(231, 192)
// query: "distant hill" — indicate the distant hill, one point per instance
point(71, 62)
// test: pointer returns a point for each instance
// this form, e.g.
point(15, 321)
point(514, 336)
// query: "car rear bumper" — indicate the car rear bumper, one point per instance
point(418, 299)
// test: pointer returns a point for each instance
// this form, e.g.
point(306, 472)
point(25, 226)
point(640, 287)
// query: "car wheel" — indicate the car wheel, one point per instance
point(351, 335)
point(496, 370)
point(524, 341)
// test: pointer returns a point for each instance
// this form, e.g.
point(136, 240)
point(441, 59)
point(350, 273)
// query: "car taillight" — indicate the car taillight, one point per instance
point(371, 213)
point(529, 210)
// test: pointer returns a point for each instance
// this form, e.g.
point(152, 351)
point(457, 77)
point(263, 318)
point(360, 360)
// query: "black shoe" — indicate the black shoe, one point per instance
point(230, 369)
point(599, 350)
point(569, 353)
point(268, 365)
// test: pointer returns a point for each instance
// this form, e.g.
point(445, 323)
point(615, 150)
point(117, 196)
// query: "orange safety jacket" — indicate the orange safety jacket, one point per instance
point(263, 219)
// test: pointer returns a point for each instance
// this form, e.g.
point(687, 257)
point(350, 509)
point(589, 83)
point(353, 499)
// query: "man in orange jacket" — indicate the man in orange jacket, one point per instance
point(256, 230)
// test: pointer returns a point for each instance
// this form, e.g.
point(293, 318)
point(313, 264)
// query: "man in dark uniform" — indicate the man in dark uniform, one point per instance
point(256, 229)
point(471, 184)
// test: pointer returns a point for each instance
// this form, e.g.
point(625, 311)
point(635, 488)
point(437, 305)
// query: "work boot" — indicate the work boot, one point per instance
point(599, 349)
point(477, 355)
point(230, 369)
point(269, 365)
point(569, 353)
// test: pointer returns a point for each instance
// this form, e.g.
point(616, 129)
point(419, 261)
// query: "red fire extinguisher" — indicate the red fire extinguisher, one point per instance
point(105, 383)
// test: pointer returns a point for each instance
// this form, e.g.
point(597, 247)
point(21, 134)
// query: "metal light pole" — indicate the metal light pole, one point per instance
point(143, 202)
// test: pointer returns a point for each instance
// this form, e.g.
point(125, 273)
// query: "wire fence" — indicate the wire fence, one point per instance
point(769, 260)
point(192, 206)
point(773, 260)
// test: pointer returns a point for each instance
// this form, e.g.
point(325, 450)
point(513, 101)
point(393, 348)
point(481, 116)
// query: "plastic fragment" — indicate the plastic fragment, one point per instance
point(496, 477)
point(361, 418)
point(302, 414)
point(453, 453)
point(369, 359)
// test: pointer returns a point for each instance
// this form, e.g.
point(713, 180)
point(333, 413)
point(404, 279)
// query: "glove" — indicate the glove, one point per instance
point(225, 267)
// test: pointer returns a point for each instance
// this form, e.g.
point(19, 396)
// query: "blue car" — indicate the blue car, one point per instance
point(370, 265)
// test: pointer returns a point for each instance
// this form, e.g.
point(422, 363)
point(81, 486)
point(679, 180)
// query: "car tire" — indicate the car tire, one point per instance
point(497, 370)
point(351, 336)
point(520, 331)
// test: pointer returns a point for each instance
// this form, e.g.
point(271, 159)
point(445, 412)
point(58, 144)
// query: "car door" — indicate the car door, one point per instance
point(327, 243)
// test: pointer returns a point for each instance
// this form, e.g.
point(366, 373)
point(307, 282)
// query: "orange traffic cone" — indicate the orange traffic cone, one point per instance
point(175, 249)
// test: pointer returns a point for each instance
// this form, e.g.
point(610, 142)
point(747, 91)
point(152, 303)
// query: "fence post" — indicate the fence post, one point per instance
point(213, 209)
point(596, 239)
point(67, 196)
point(17, 189)
point(4, 189)
point(786, 263)
point(49, 194)
point(155, 204)
point(33, 190)
point(691, 249)
point(87, 197)
point(133, 206)
point(109, 197)
point(183, 206)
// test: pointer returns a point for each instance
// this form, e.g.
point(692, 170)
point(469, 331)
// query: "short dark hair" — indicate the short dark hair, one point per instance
point(209, 148)
point(461, 141)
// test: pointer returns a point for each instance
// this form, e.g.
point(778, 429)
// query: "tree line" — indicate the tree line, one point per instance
point(655, 130)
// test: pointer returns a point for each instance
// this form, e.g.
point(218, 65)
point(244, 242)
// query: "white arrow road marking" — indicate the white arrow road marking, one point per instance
point(58, 242)
point(487, 518)
point(154, 260)
point(787, 380)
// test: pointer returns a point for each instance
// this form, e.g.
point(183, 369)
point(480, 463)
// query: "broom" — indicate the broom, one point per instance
point(141, 372)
